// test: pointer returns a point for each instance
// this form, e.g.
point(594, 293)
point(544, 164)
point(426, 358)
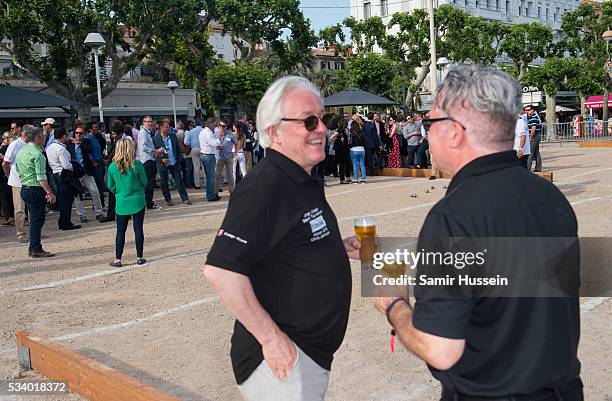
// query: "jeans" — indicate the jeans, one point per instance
point(65, 196)
point(358, 159)
point(188, 178)
point(150, 172)
point(421, 156)
point(209, 162)
point(175, 170)
point(122, 223)
point(410, 157)
point(34, 198)
point(535, 154)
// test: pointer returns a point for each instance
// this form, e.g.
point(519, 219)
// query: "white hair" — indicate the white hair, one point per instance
point(490, 96)
point(270, 109)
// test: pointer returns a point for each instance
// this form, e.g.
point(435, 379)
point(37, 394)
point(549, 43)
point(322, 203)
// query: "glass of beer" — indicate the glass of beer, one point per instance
point(365, 230)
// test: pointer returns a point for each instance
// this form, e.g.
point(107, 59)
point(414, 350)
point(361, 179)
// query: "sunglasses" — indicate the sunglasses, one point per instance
point(428, 122)
point(310, 122)
point(79, 132)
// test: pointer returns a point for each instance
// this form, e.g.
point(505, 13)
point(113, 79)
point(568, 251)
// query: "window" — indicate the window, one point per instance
point(529, 9)
point(547, 14)
point(220, 56)
point(384, 8)
point(476, 3)
point(366, 10)
point(497, 5)
point(520, 10)
point(556, 16)
point(323, 65)
point(507, 6)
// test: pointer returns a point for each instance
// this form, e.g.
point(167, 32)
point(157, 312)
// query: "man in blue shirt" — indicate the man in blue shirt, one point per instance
point(535, 129)
point(96, 158)
point(226, 156)
point(168, 161)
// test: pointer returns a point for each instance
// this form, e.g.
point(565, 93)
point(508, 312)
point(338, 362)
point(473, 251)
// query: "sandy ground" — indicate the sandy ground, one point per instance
point(163, 324)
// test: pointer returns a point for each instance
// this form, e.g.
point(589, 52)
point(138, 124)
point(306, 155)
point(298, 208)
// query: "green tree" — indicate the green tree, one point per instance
point(371, 72)
point(66, 66)
point(524, 43)
point(242, 84)
point(272, 32)
point(582, 30)
point(550, 76)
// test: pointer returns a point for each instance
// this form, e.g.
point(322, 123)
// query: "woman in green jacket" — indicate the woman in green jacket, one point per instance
point(127, 180)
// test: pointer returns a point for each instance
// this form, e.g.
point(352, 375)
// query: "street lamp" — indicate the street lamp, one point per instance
point(172, 85)
point(607, 36)
point(441, 63)
point(432, 48)
point(96, 41)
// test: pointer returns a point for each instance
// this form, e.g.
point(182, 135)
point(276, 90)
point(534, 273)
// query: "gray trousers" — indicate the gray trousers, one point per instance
point(535, 154)
point(306, 382)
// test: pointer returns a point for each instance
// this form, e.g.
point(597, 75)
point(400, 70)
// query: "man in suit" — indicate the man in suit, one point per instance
point(373, 143)
point(169, 161)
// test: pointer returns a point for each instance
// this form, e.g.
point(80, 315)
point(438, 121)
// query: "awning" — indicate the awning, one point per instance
point(596, 102)
point(16, 98)
point(356, 97)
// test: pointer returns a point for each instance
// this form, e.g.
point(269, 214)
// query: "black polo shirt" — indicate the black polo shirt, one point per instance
point(280, 231)
point(513, 345)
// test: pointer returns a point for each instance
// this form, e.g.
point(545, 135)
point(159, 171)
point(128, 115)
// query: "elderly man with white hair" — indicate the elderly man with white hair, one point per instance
point(278, 262)
point(481, 346)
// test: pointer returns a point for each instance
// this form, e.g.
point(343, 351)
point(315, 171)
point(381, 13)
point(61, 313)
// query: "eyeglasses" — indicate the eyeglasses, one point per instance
point(310, 122)
point(428, 122)
point(79, 132)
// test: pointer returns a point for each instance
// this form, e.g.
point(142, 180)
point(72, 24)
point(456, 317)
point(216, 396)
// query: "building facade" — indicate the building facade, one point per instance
point(547, 12)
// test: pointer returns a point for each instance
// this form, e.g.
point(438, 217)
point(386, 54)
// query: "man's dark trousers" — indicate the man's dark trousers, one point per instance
point(150, 171)
point(370, 155)
point(65, 196)
point(175, 170)
point(34, 198)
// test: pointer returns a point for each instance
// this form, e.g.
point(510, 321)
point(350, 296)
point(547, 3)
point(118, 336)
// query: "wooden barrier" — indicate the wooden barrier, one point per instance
point(545, 174)
point(85, 376)
point(596, 144)
point(426, 173)
point(409, 172)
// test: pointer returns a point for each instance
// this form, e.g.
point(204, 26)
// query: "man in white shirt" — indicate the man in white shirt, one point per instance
point(208, 156)
point(521, 144)
point(147, 154)
point(15, 182)
point(59, 160)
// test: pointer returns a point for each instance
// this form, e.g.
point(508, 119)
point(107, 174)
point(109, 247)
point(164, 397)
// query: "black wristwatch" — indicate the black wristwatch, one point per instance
point(392, 304)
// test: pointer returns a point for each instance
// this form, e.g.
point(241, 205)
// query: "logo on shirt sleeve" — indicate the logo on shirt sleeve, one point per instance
point(223, 233)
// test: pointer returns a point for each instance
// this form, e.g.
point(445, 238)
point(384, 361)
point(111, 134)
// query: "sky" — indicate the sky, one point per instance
point(322, 13)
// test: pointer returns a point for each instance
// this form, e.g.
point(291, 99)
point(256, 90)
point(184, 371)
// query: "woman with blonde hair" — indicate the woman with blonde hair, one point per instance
point(127, 180)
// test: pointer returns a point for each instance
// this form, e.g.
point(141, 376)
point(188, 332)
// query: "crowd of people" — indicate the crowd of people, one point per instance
point(50, 170)
point(357, 145)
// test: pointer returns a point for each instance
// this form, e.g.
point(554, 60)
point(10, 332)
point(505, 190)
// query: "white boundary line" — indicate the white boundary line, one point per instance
point(58, 283)
point(99, 330)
